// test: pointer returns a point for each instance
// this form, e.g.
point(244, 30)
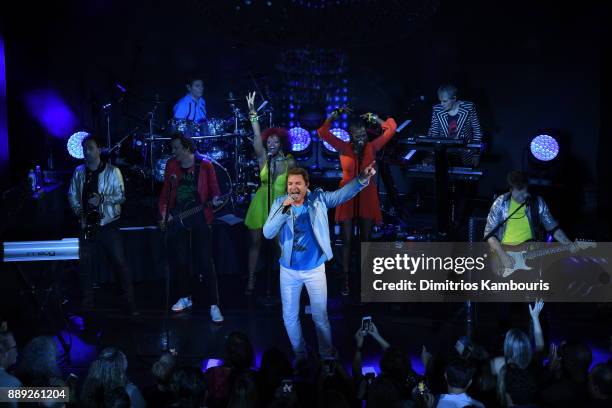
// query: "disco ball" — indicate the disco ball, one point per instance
point(544, 147)
point(299, 138)
point(75, 146)
point(340, 134)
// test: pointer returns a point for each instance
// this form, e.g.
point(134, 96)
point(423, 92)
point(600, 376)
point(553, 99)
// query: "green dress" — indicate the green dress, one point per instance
point(257, 213)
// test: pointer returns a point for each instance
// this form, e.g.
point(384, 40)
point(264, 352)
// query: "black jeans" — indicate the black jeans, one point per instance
point(193, 246)
point(108, 242)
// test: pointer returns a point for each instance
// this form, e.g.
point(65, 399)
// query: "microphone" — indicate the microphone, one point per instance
point(108, 105)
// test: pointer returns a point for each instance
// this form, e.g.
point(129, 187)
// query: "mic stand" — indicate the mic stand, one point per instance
point(269, 300)
point(108, 122)
point(165, 329)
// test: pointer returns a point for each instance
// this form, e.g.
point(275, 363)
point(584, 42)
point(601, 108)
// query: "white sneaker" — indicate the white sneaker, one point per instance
point(182, 304)
point(215, 314)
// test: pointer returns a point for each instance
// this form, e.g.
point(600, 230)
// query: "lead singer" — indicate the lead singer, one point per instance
point(300, 220)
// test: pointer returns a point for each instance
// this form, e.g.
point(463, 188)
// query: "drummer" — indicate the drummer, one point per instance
point(192, 106)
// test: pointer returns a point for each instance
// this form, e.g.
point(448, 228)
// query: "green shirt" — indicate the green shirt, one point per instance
point(518, 229)
point(187, 189)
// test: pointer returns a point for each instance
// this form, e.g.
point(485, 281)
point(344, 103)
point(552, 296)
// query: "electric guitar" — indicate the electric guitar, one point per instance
point(184, 214)
point(521, 254)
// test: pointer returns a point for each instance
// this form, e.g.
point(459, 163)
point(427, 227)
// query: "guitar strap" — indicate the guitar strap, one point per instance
point(498, 226)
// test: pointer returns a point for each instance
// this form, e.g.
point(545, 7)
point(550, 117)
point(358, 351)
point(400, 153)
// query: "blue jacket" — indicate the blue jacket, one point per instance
point(319, 201)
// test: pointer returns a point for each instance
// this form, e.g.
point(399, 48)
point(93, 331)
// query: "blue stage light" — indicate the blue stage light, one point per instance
point(299, 138)
point(544, 147)
point(75, 148)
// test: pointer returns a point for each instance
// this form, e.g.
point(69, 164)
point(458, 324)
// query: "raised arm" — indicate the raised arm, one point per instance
point(388, 126)
point(258, 146)
point(324, 133)
point(534, 312)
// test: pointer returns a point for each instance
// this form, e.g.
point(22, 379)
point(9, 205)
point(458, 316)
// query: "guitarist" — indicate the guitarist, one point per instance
point(95, 194)
point(516, 217)
point(190, 182)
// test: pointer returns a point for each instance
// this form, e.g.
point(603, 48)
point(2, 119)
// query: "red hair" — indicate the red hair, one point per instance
point(283, 136)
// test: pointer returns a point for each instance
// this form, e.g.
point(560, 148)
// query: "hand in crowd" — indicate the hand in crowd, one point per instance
point(251, 101)
point(360, 337)
point(536, 309)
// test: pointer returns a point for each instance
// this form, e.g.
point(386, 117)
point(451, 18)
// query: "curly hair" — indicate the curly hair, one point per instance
point(281, 133)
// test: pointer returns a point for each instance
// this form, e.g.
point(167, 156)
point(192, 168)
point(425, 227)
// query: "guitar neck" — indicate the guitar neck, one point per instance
point(195, 210)
point(536, 253)
point(191, 211)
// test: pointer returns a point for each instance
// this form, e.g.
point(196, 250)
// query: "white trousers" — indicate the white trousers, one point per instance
point(291, 282)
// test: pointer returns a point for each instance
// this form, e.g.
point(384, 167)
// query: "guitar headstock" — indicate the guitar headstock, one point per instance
point(584, 244)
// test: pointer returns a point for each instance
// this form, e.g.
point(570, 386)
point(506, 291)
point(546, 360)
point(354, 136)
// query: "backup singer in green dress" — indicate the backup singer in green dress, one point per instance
point(270, 147)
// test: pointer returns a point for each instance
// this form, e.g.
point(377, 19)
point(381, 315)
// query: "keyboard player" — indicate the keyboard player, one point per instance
point(456, 119)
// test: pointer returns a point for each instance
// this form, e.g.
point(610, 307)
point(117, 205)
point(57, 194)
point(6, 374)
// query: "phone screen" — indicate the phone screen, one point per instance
point(365, 323)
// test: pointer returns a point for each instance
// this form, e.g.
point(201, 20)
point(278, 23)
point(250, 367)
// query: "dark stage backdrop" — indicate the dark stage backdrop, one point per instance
point(529, 68)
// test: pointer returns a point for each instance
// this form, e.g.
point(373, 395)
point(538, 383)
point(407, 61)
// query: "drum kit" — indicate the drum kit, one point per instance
point(224, 141)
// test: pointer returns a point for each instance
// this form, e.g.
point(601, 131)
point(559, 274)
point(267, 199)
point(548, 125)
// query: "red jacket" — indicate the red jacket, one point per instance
point(207, 186)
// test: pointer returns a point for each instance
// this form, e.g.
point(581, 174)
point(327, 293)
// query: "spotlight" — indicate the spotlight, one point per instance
point(340, 134)
point(544, 147)
point(74, 146)
point(299, 138)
